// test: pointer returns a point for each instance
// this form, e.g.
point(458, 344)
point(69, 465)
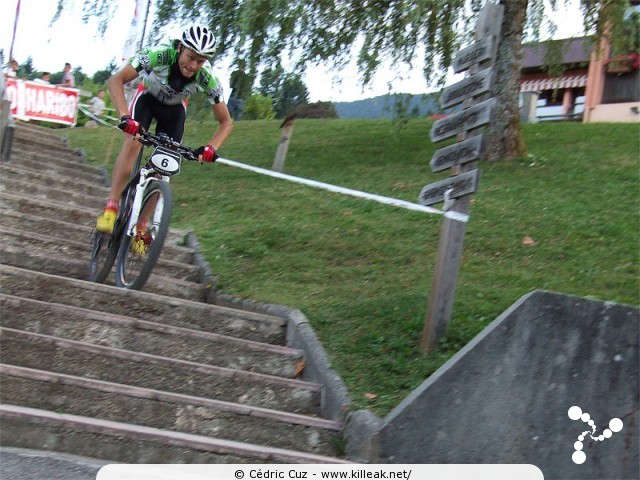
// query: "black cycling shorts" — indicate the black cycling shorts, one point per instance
point(170, 118)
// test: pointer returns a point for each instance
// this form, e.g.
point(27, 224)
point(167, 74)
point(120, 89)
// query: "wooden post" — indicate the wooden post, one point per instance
point(462, 158)
point(6, 130)
point(283, 146)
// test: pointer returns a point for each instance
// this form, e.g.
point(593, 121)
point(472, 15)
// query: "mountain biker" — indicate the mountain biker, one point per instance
point(170, 74)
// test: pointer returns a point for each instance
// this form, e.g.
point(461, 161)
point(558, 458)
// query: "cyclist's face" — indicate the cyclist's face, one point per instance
point(190, 62)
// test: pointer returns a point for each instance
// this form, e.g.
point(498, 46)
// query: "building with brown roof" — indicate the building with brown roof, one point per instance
point(585, 85)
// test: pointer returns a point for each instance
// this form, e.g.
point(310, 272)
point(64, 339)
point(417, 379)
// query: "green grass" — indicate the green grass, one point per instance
point(361, 272)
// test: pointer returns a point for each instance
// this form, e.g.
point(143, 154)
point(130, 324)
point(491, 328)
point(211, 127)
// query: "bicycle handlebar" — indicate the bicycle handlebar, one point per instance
point(163, 140)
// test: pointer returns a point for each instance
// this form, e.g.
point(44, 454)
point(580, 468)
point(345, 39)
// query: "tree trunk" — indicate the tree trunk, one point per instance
point(505, 140)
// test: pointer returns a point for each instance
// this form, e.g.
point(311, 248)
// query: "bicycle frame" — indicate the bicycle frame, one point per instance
point(145, 175)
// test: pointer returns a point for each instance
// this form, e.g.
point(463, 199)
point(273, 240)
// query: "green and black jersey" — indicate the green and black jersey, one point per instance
point(161, 77)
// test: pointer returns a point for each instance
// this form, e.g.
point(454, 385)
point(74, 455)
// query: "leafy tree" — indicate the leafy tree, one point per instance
point(258, 107)
point(314, 31)
point(80, 76)
point(286, 89)
point(198, 107)
point(27, 69)
point(317, 31)
point(56, 77)
point(101, 76)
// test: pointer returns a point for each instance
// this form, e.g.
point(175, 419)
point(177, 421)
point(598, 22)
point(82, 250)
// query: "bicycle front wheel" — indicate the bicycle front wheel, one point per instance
point(138, 253)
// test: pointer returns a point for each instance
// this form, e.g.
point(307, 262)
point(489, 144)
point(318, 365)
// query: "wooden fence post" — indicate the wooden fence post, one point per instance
point(6, 130)
point(462, 158)
point(283, 146)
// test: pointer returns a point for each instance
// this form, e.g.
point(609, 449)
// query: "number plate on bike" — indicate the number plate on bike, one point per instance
point(165, 161)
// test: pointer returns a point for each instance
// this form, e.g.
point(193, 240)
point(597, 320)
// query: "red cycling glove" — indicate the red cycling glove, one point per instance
point(207, 152)
point(129, 125)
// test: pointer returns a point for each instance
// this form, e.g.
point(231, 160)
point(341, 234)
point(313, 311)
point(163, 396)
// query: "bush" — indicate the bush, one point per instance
point(258, 107)
point(317, 110)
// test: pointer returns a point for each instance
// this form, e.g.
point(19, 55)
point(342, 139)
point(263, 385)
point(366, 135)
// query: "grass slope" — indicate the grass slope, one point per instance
point(362, 272)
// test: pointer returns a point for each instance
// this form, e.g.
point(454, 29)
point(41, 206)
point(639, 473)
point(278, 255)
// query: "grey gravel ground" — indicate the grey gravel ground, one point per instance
point(21, 464)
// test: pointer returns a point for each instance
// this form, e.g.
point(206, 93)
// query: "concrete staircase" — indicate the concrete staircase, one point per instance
point(153, 376)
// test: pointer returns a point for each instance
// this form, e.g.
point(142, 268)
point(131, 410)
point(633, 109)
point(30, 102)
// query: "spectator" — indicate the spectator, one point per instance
point(44, 78)
point(67, 77)
point(97, 105)
point(240, 84)
point(12, 68)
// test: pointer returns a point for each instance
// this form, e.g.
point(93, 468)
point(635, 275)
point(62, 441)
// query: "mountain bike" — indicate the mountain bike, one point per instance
point(143, 217)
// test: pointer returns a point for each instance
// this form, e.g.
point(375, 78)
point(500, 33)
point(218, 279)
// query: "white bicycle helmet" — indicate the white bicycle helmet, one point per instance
point(200, 40)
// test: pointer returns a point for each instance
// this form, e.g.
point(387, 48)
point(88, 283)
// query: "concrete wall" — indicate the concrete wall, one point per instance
point(505, 397)
point(615, 112)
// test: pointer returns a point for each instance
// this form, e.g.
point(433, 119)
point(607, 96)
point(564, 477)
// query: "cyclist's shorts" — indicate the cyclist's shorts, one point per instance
point(170, 118)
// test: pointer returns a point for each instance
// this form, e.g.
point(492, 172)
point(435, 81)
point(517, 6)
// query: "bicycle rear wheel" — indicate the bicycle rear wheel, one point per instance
point(136, 260)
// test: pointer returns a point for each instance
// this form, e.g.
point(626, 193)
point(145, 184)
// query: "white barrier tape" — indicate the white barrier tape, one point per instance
point(94, 117)
point(456, 216)
point(333, 188)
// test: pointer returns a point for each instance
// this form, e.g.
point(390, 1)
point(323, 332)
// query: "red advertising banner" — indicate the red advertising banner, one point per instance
point(42, 101)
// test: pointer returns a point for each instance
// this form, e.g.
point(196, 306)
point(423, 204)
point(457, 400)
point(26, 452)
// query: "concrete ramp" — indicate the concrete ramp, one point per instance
point(505, 398)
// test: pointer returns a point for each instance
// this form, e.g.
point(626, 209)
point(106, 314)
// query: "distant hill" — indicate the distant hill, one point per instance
point(385, 106)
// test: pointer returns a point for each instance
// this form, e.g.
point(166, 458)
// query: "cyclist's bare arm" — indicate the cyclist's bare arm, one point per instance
point(116, 88)
point(225, 125)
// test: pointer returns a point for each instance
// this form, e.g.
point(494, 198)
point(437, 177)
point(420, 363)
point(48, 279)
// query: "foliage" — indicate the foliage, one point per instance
point(101, 76)
point(286, 89)
point(607, 19)
point(199, 108)
point(262, 31)
point(632, 33)
point(361, 271)
point(317, 110)
point(258, 107)
point(267, 33)
point(26, 69)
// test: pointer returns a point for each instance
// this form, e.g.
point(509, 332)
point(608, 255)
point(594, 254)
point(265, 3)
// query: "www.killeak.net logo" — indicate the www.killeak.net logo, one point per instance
point(575, 413)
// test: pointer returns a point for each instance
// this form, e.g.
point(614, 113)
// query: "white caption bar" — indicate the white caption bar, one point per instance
point(355, 471)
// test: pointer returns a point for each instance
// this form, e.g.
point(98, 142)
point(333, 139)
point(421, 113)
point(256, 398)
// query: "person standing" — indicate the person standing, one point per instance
point(97, 104)
point(12, 68)
point(240, 84)
point(67, 77)
point(44, 78)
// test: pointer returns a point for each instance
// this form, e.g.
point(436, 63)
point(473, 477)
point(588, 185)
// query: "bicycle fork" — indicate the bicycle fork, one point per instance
point(157, 204)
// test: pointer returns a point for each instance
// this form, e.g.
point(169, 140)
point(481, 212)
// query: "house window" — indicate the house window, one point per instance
point(622, 88)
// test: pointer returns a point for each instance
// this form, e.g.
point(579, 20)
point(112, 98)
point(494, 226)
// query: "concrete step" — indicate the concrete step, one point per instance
point(25, 427)
point(61, 231)
point(79, 252)
point(27, 132)
point(49, 209)
point(143, 305)
point(13, 171)
point(51, 191)
point(50, 152)
point(64, 166)
point(70, 357)
point(45, 141)
point(78, 269)
point(129, 333)
point(165, 410)
point(74, 214)
point(153, 376)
